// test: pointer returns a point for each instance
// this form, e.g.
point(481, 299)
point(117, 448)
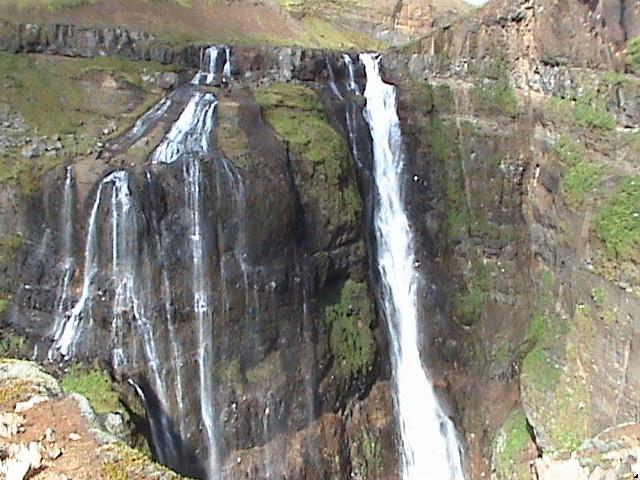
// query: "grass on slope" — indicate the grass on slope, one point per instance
point(179, 22)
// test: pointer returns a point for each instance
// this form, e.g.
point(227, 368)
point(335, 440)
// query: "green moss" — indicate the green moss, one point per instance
point(228, 372)
point(299, 120)
point(582, 177)
point(633, 54)
point(598, 295)
point(96, 385)
point(325, 34)
point(349, 322)
point(367, 460)
point(268, 370)
point(122, 462)
point(5, 301)
point(537, 329)
point(11, 344)
point(509, 447)
point(471, 302)
point(496, 97)
point(47, 92)
point(540, 370)
point(10, 246)
point(590, 111)
point(618, 222)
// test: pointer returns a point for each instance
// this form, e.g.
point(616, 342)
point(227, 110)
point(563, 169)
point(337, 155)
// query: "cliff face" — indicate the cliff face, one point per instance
point(535, 135)
point(521, 190)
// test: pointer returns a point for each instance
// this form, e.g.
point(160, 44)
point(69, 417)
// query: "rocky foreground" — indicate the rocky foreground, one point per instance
point(49, 434)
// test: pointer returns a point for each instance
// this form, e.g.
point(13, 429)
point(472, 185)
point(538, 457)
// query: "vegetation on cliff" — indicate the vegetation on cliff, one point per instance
point(96, 385)
point(327, 179)
point(350, 322)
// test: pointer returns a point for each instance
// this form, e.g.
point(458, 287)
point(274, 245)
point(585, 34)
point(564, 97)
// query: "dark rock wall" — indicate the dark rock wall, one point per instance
point(289, 292)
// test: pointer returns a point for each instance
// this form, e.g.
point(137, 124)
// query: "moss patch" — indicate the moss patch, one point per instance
point(349, 322)
point(122, 462)
point(582, 177)
point(561, 397)
point(299, 120)
point(96, 385)
point(11, 344)
point(587, 111)
point(633, 54)
point(495, 97)
point(470, 302)
point(510, 446)
point(618, 222)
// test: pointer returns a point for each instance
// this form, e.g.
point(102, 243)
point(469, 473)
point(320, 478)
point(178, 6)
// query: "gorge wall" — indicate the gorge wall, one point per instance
point(521, 192)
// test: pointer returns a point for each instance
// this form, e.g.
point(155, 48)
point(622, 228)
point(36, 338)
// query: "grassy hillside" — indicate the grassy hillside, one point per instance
point(336, 24)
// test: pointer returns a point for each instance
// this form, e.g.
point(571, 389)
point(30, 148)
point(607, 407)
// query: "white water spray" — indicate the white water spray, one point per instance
point(68, 259)
point(351, 79)
point(201, 306)
point(429, 444)
point(207, 73)
point(226, 69)
point(192, 131)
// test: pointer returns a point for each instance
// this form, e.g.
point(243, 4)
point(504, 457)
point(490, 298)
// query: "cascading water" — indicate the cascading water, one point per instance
point(68, 258)
point(144, 124)
point(332, 79)
point(192, 132)
point(429, 444)
point(207, 73)
point(226, 70)
point(351, 79)
point(202, 308)
point(66, 335)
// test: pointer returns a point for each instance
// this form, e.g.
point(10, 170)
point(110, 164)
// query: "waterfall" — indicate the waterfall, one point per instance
point(351, 79)
point(144, 124)
point(332, 80)
point(202, 308)
point(68, 258)
point(66, 334)
point(191, 133)
point(226, 70)
point(177, 358)
point(429, 444)
point(207, 73)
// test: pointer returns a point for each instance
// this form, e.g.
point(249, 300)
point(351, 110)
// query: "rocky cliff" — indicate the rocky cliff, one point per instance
point(521, 189)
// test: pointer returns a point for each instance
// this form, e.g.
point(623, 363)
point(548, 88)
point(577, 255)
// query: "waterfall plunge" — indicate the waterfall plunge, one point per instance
point(429, 449)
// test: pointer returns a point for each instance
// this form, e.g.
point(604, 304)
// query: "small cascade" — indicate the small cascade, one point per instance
point(208, 67)
point(144, 124)
point(156, 437)
point(352, 110)
point(332, 80)
point(351, 79)
point(429, 444)
point(226, 70)
point(192, 132)
point(67, 332)
point(68, 260)
point(202, 308)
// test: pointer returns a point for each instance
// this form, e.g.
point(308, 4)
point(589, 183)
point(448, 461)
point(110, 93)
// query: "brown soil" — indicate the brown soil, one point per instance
point(79, 459)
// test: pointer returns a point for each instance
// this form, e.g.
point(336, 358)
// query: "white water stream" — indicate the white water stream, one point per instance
point(429, 446)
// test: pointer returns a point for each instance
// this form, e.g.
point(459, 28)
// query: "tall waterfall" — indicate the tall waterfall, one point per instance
point(429, 445)
point(202, 307)
point(68, 266)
